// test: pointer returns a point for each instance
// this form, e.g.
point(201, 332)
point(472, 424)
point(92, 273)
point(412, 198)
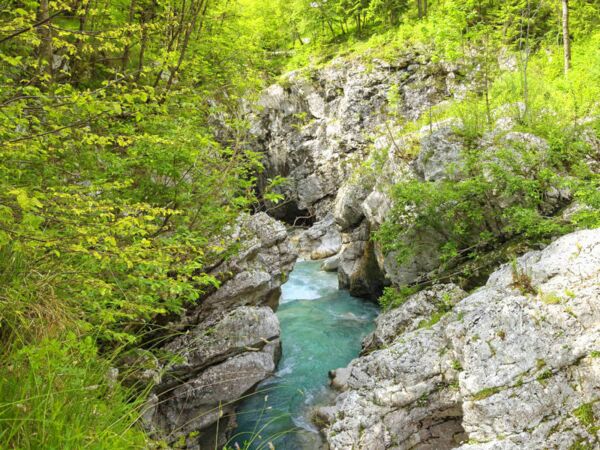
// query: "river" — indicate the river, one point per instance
point(321, 329)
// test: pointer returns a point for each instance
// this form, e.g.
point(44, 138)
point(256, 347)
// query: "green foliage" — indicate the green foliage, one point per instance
point(522, 279)
point(500, 192)
point(456, 365)
point(124, 162)
point(485, 393)
point(435, 318)
point(394, 297)
point(585, 415)
point(57, 394)
point(550, 298)
point(582, 444)
point(546, 374)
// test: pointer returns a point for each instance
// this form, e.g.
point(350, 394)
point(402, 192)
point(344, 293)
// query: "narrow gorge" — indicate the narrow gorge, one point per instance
point(300, 225)
point(463, 363)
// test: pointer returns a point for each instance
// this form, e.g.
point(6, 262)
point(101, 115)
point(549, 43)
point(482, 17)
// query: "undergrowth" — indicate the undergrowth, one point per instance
point(501, 192)
point(57, 394)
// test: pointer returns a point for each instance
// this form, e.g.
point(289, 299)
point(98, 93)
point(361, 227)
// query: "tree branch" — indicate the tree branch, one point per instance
point(35, 25)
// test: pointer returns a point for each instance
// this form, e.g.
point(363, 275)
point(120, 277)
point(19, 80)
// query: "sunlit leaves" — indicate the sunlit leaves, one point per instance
point(114, 193)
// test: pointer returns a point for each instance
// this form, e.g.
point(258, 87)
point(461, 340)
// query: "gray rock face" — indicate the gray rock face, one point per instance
point(228, 343)
point(320, 241)
point(441, 152)
point(417, 309)
point(220, 364)
point(348, 209)
point(358, 267)
point(315, 129)
point(312, 128)
point(513, 366)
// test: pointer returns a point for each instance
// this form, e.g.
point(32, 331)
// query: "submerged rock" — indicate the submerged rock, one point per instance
point(226, 344)
point(513, 366)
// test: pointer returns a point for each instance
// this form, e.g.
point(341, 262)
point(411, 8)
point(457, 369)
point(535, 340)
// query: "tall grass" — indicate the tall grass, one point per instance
point(55, 389)
point(57, 394)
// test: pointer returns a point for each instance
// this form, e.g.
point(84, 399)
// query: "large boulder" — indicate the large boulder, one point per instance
point(227, 343)
point(320, 241)
point(217, 363)
point(512, 366)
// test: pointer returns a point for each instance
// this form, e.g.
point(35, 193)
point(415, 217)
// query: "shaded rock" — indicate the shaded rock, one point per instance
point(424, 258)
point(348, 210)
point(220, 366)
point(358, 267)
point(255, 274)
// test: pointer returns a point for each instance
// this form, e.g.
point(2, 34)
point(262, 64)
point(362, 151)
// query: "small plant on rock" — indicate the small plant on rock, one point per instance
point(522, 280)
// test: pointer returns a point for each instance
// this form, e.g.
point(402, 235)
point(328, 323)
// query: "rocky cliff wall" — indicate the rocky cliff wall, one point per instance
point(316, 127)
point(515, 365)
point(227, 344)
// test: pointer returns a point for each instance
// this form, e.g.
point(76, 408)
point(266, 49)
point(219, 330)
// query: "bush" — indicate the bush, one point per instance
point(511, 190)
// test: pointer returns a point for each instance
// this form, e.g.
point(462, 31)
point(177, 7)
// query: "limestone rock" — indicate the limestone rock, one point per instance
point(441, 152)
point(219, 365)
point(417, 309)
point(513, 366)
point(320, 241)
point(331, 264)
point(315, 124)
point(358, 267)
point(348, 205)
point(227, 343)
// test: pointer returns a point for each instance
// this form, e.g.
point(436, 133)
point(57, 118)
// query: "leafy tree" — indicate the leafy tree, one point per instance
point(116, 192)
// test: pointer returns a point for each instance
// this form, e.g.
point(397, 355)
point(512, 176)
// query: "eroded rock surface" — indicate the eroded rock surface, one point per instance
point(316, 127)
point(513, 366)
point(315, 123)
point(228, 343)
point(320, 241)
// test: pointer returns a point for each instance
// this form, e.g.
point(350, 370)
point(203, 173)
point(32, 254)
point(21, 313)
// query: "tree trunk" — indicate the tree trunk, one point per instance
point(143, 43)
point(129, 34)
point(197, 13)
point(174, 37)
point(420, 8)
point(566, 38)
point(45, 49)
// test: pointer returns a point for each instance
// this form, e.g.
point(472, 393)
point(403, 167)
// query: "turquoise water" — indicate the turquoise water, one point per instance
point(321, 329)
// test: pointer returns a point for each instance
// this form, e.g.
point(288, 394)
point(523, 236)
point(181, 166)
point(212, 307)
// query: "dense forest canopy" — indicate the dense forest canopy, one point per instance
point(125, 156)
